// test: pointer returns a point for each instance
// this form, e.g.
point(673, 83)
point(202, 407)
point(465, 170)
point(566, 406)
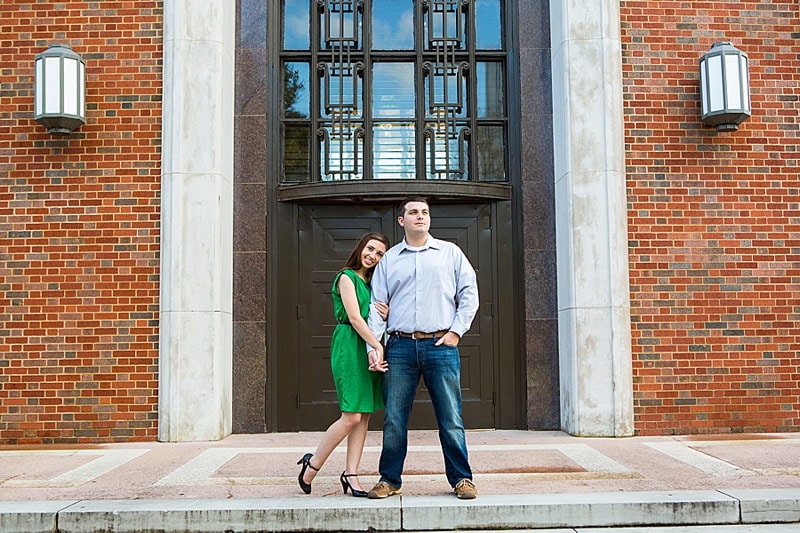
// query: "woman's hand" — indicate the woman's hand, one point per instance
point(376, 361)
point(382, 309)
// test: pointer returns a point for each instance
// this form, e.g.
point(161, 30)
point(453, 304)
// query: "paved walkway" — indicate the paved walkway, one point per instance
point(525, 480)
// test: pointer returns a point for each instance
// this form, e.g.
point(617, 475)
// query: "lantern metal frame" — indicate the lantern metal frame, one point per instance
point(59, 89)
point(724, 87)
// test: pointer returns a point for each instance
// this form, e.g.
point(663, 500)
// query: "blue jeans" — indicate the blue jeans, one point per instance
point(440, 369)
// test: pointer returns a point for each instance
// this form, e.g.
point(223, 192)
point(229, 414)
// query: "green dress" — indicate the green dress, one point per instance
point(358, 389)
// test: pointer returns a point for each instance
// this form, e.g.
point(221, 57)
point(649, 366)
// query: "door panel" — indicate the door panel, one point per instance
point(467, 227)
point(323, 238)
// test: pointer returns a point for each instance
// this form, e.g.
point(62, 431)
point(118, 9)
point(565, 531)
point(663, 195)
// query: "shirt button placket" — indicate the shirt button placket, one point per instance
point(417, 294)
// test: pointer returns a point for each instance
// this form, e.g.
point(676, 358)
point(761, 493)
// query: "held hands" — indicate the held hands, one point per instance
point(448, 339)
point(375, 355)
point(376, 361)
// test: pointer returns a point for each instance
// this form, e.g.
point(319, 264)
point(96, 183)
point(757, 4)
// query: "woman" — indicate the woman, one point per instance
point(358, 385)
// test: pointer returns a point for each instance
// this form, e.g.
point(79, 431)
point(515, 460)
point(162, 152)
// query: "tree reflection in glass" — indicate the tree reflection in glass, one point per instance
point(295, 90)
point(296, 133)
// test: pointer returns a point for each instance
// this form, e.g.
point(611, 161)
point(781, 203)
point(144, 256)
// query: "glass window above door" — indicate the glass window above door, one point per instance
point(380, 90)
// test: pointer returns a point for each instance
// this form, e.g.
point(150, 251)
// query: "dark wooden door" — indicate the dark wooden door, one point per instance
point(314, 247)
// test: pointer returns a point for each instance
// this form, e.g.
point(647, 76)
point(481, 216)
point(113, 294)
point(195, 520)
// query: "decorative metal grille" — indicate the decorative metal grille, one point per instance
point(400, 89)
point(342, 133)
point(445, 81)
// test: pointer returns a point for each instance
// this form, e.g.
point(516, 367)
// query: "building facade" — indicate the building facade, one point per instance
point(164, 268)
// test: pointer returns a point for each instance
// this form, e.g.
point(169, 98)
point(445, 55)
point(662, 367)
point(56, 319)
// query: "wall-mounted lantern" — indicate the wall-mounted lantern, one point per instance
point(59, 103)
point(724, 87)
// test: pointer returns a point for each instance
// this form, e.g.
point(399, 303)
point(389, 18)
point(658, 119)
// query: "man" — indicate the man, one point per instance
point(432, 293)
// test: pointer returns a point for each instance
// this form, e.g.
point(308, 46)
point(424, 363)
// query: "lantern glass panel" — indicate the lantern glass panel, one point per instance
point(746, 89)
point(39, 87)
point(52, 83)
point(70, 87)
point(715, 89)
point(734, 86)
point(82, 91)
point(703, 89)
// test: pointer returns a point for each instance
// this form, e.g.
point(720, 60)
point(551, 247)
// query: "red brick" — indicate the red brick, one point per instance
point(712, 219)
point(72, 200)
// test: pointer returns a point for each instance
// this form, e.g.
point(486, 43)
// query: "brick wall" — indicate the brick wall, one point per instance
point(79, 229)
point(714, 221)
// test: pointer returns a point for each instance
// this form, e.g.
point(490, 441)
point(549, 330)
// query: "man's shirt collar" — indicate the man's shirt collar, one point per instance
point(431, 242)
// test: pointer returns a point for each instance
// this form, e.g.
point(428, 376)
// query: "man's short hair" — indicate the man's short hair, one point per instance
point(401, 207)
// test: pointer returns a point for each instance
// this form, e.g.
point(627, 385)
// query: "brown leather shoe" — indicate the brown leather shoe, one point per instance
point(383, 490)
point(465, 489)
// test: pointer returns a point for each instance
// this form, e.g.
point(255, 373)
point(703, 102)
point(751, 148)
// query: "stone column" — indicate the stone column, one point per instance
point(591, 219)
point(195, 334)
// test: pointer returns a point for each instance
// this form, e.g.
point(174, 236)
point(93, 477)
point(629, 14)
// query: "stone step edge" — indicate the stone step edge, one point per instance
point(444, 513)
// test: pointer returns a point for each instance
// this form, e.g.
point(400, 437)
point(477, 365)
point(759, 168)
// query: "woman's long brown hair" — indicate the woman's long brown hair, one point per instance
point(354, 260)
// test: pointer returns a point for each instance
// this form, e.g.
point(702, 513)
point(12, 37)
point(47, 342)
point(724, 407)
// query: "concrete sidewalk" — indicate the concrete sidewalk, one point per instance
point(525, 480)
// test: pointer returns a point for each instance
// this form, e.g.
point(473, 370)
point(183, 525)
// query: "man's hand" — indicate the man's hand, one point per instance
point(448, 339)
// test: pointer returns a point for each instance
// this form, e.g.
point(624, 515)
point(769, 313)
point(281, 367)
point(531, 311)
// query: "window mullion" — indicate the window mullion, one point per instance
point(315, 82)
point(419, 89)
point(366, 91)
point(472, 102)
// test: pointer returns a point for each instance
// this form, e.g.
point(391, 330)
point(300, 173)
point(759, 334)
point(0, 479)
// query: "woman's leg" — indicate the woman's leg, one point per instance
point(333, 436)
point(355, 448)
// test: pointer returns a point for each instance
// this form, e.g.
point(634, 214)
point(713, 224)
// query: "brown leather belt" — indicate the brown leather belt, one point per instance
point(421, 334)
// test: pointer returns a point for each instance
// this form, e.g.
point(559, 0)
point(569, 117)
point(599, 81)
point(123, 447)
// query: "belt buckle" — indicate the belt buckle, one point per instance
point(414, 336)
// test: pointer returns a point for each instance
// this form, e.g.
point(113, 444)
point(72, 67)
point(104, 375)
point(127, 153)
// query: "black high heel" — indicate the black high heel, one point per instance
point(306, 462)
point(346, 485)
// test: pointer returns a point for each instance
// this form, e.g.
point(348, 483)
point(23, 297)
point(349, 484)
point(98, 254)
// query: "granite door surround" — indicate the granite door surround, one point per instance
point(196, 328)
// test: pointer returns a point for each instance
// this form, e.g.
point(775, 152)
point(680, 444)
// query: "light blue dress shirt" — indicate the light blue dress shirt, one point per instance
point(428, 288)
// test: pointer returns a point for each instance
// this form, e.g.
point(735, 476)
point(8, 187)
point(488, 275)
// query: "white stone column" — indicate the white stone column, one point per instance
point(591, 223)
point(196, 319)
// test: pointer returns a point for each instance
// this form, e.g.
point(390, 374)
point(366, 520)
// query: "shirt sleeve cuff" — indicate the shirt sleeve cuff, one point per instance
point(458, 330)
